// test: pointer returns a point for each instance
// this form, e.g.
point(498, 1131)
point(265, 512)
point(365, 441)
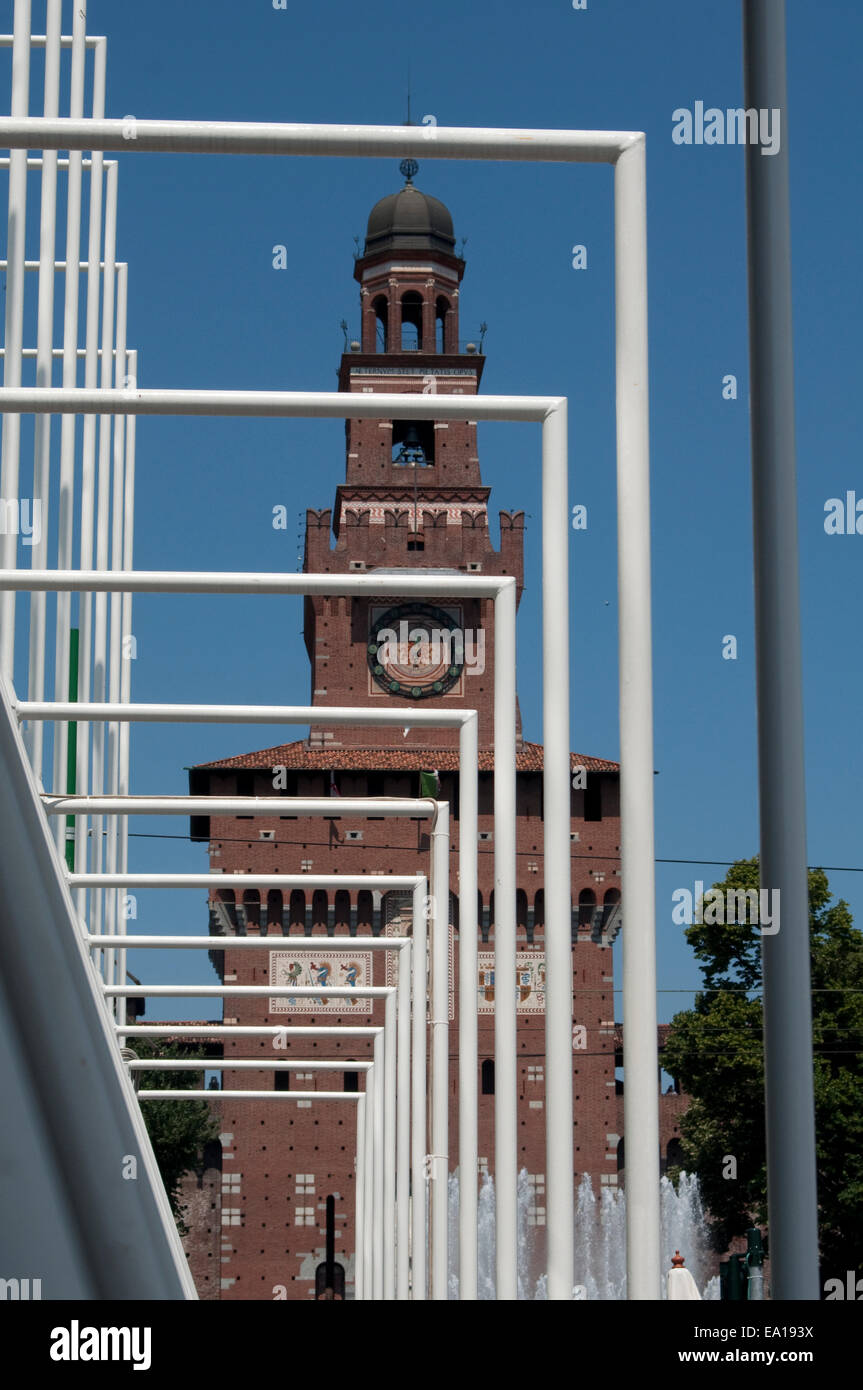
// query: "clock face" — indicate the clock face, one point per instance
point(416, 651)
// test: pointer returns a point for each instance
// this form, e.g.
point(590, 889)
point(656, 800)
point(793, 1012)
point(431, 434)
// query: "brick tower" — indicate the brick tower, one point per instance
point(413, 498)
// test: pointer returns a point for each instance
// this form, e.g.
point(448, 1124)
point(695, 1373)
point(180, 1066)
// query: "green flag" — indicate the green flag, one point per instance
point(429, 784)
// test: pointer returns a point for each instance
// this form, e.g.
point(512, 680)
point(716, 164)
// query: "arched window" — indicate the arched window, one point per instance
point(274, 910)
point(380, 309)
point(586, 905)
point(252, 909)
point(539, 911)
point(413, 443)
point(610, 918)
point(412, 322)
point(298, 910)
point(225, 908)
point(520, 911)
point(342, 914)
point(488, 1077)
point(442, 309)
point(365, 912)
point(319, 911)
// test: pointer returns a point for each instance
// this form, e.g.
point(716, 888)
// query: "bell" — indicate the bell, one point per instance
point(411, 453)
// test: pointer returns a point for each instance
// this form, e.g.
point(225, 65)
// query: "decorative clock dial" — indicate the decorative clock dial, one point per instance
point(416, 651)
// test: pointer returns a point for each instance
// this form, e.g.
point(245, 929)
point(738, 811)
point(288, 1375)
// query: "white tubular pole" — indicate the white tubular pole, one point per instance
point(115, 639)
point(249, 992)
point(368, 1188)
point(467, 1011)
point(403, 1125)
point(253, 583)
point(103, 539)
point(640, 1095)
point(419, 1100)
point(44, 377)
point(126, 626)
point(440, 1055)
point(66, 513)
point(86, 848)
point(359, 1196)
point(14, 340)
point(248, 1095)
point(235, 806)
point(389, 1221)
point(558, 874)
point(347, 141)
point(505, 1019)
point(283, 405)
point(245, 714)
point(245, 1064)
point(235, 943)
point(378, 1146)
point(239, 1030)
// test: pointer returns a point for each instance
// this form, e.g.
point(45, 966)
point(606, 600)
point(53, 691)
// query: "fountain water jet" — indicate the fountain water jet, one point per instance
point(600, 1239)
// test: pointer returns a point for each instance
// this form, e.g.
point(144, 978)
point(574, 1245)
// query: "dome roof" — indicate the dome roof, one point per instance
point(410, 220)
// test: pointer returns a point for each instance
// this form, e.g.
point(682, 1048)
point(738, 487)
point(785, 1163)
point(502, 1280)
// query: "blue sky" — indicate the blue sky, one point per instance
point(207, 309)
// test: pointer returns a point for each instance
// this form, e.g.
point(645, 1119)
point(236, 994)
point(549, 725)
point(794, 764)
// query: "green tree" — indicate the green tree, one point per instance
point(178, 1130)
point(715, 1052)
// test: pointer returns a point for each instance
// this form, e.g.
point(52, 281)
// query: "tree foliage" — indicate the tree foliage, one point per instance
point(715, 1052)
point(178, 1130)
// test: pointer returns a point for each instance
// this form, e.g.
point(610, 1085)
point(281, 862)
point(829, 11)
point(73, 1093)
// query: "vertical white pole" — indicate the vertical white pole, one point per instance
point(44, 377)
point(468, 1062)
point(103, 536)
point(440, 1055)
point(66, 510)
point(378, 1169)
point(505, 1045)
point(419, 1146)
point(641, 1061)
point(126, 656)
point(368, 1185)
point(359, 1181)
point(558, 879)
point(389, 1216)
point(403, 1125)
point(14, 342)
point(88, 468)
point(118, 503)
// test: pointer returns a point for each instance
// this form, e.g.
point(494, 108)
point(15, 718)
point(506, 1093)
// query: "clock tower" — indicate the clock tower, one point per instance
point(412, 499)
point(413, 496)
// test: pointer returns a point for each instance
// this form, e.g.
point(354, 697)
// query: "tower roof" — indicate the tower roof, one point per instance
point(409, 220)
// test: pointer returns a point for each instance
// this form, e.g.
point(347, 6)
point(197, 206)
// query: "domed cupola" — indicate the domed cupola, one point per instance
point(409, 220)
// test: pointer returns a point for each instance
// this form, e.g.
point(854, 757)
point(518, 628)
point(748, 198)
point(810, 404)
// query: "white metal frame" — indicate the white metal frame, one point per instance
point(626, 152)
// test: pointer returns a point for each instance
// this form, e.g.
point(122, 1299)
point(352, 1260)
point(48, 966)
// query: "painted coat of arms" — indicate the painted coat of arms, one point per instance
point(529, 982)
point(314, 968)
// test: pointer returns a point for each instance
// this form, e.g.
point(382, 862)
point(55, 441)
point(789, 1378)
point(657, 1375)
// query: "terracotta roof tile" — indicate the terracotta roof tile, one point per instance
point(300, 756)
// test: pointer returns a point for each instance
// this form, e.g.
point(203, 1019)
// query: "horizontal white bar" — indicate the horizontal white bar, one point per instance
point(397, 715)
point(33, 162)
point(380, 882)
point(245, 1064)
point(235, 806)
point(248, 137)
point(248, 991)
point(38, 40)
point(263, 943)
point(417, 585)
point(301, 405)
point(61, 265)
point(238, 1030)
point(250, 1095)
